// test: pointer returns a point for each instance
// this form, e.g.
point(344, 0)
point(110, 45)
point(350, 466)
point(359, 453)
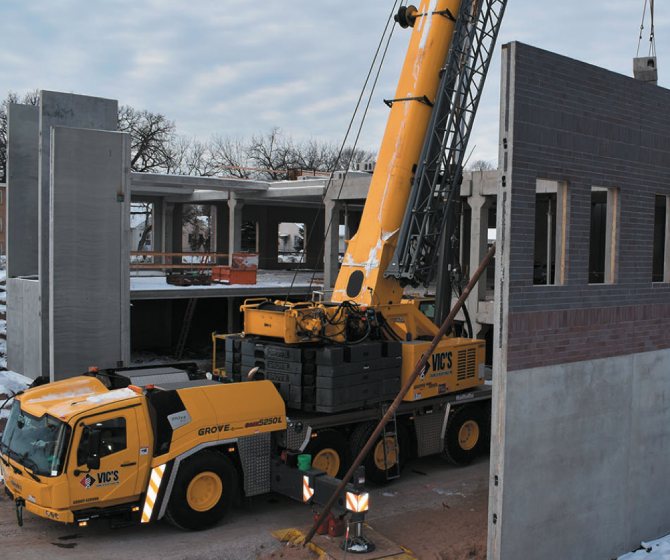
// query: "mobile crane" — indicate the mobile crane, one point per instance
point(338, 363)
point(140, 444)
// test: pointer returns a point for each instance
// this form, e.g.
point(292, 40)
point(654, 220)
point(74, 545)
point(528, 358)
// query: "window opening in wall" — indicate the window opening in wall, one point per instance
point(550, 232)
point(197, 228)
point(490, 240)
point(291, 243)
point(141, 226)
point(660, 270)
point(603, 235)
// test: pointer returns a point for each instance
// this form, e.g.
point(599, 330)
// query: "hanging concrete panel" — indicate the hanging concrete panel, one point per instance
point(22, 190)
point(89, 303)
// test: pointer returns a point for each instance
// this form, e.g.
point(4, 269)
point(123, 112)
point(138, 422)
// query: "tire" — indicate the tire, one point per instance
point(330, 453)
point(465, 435)
point(375, 469)
point(204, 490)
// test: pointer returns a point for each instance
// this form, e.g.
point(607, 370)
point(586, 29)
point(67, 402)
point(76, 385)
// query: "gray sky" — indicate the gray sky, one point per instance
point(238, 68)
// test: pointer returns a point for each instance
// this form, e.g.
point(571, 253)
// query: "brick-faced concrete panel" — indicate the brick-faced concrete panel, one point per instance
point(590, 127)
point(22, 190)
point(89, 250)
point(581, 430)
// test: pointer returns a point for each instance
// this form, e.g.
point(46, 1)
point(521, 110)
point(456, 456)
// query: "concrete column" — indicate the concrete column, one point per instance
point(61, 109)
point(479, 206)
point(235, 207)
point(331, 246)
point(267, 235)
point(176, 232)
point(314, 240)
point(222, 225)
point(158, 221)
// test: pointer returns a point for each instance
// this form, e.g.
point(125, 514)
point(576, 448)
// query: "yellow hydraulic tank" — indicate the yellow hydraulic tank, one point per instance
point(361, 277)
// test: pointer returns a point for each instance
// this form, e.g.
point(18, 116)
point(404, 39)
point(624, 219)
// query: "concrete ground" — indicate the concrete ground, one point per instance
point(435, 510)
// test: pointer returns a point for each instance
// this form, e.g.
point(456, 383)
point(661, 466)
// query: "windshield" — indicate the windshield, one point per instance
point(36, 443)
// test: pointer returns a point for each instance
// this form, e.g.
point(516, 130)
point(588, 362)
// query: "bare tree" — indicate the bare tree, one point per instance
point(481, 165)
point(229, 157)
point(152, 146)
point(30, 98)
point(272, 154)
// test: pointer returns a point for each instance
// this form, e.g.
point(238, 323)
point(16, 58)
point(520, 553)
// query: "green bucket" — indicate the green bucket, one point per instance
point(304, 462)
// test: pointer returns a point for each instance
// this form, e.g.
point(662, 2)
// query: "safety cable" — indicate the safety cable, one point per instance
point(344, 141)
point(652, 33)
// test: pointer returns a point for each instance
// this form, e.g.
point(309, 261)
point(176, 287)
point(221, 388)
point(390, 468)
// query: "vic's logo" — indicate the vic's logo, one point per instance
point(441, 361)
point(87, 481)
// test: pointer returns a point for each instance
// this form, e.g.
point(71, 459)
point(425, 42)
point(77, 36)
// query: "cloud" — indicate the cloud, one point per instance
point(221, 67)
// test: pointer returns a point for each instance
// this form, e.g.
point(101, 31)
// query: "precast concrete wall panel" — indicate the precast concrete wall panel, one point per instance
point(22, 190)
point(61, 109)
point(581, 423)
point(23, 326)
point(89, 250)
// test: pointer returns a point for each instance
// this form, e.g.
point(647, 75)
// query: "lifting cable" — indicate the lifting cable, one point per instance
point(389, 22)
point(652, 32)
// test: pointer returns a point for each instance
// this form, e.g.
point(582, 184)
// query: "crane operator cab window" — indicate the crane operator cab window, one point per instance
point(112, 438)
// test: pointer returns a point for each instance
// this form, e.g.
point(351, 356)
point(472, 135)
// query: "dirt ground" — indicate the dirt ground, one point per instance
point(434, 510)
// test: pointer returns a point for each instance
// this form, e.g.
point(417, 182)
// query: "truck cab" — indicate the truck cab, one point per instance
point(101, 445)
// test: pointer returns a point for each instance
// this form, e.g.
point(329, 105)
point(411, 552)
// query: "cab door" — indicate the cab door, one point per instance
point(103, 462)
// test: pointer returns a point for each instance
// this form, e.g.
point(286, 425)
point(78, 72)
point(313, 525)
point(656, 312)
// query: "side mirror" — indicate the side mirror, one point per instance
point(93, 455)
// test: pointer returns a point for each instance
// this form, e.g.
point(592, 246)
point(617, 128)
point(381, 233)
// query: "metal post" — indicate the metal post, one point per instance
point(405, 389)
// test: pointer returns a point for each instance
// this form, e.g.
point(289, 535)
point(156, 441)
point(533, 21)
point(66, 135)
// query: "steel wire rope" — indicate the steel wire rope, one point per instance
point(652, 31)
point(346, 136)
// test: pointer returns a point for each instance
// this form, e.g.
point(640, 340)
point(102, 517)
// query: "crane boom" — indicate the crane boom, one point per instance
point(361, 278)
point(438, 177)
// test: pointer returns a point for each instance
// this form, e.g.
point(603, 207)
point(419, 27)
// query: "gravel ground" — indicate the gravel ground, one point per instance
point(436, 511)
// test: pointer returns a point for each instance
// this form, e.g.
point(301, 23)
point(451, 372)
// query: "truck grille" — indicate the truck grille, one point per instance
point(466, 364)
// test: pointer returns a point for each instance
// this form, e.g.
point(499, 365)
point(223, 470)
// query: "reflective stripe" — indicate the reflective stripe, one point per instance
point(152, 492)
point(358, 503)
point(307, 490)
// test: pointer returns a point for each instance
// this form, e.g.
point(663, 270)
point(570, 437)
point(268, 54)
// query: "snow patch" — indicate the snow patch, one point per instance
point(653, 550)
point(63, 395)
point(12, 382)
point(115, 395)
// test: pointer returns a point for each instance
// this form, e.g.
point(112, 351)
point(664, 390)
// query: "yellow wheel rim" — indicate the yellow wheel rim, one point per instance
point(391, 453)
point(204, 491)
point(468, 435)
point(328, 461)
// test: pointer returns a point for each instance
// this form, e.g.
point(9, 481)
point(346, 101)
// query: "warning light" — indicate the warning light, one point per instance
point(93, 369)
point(136, 508)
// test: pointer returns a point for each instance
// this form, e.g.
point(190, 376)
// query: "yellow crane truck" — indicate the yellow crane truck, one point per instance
point(142, 444)
point(340, 360)
point(136, 445)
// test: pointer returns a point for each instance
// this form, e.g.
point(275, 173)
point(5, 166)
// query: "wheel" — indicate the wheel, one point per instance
point(465, 435)
point(204, 490)
point(330, 453)
point(377, 467)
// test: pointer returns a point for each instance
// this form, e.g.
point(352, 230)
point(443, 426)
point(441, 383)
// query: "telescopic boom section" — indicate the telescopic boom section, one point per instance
point(369, 252)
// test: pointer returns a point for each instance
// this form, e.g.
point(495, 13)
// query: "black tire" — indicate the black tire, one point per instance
point(465, 435)
point(204, 465)
point(374, 461)
point(330, 452)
